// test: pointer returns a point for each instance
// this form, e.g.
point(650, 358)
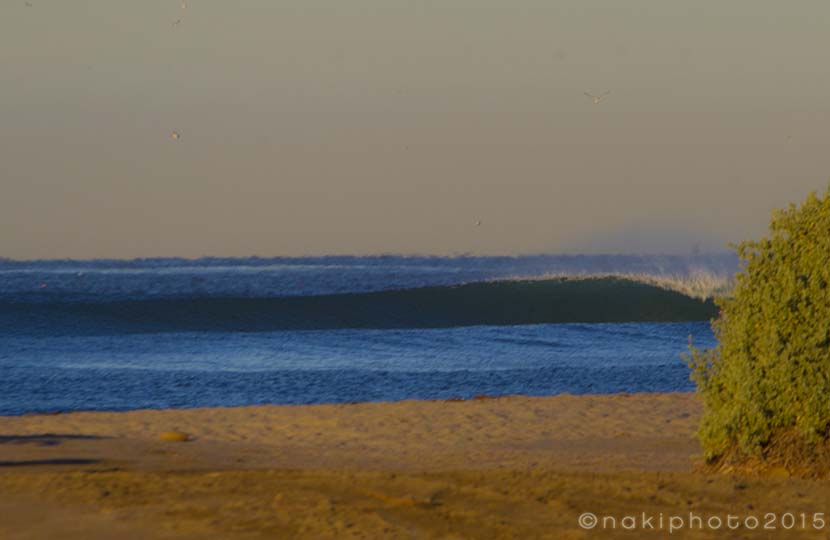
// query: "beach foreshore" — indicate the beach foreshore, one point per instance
point(509, 467)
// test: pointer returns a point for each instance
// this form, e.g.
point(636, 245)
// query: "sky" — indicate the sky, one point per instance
point(316, 127)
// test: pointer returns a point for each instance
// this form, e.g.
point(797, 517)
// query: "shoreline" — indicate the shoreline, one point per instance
point(454, 399)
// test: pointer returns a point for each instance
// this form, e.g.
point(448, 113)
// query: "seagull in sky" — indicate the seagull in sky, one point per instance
point(598, 99)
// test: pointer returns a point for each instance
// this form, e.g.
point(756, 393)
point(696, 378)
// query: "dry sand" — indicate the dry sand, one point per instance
point(512, 467)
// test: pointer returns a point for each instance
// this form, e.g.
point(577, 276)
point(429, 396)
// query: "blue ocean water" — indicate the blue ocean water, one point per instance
point(59, 350)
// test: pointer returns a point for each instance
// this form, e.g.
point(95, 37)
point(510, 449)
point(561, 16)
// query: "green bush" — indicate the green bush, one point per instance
point(768, 378)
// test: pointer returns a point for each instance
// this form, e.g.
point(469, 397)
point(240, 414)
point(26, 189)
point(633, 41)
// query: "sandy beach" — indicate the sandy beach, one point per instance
point(512, 467)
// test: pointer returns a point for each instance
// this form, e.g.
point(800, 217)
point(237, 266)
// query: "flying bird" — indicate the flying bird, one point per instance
point(175, 135)
point(176, 22)
point(598, 99)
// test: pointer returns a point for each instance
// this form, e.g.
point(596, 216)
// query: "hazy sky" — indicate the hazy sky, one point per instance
point(323, 127)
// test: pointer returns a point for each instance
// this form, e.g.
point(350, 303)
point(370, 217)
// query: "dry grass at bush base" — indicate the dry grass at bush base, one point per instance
point(787, 455)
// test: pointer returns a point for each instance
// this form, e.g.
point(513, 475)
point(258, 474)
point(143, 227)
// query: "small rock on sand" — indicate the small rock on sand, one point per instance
point(174, 436)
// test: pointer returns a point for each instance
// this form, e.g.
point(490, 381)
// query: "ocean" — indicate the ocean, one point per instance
point(159, 333)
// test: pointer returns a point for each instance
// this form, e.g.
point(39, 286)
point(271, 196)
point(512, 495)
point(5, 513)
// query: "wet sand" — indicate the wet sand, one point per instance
point(513, 467)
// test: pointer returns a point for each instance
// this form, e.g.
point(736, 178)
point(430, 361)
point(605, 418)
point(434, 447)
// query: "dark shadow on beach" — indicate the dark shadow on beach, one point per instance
point(37, 462)
point(44, 439)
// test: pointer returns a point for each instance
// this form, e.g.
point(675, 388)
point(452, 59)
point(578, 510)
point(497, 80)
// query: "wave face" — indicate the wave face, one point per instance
point(498, 303)
point(254, 295)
